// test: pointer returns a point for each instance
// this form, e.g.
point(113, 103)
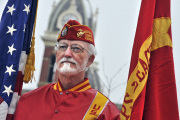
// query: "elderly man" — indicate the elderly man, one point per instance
point(72, 97)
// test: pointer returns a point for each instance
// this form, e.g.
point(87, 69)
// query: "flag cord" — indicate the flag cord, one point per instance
point(30, 63)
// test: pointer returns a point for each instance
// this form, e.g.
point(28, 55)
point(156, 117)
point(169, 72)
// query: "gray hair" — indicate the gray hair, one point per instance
point(56, 47)
point(91, 49)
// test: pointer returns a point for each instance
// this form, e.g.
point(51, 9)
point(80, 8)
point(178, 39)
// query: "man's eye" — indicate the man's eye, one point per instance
point(62, 46)
point(76, 49)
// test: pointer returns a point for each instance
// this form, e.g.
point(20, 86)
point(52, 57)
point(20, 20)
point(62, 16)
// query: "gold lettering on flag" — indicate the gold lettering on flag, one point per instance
point(137, 80)
point(161, 37)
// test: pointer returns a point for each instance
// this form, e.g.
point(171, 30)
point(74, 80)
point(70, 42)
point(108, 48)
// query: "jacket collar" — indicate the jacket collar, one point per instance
point(82, 86)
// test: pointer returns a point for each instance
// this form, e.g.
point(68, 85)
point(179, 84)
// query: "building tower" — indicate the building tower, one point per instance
point(65, 10)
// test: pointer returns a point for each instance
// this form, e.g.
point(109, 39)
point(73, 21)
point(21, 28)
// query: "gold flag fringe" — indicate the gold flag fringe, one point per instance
point(30, 63)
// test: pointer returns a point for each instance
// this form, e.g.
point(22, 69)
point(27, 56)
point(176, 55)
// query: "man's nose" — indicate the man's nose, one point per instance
point(68, 52)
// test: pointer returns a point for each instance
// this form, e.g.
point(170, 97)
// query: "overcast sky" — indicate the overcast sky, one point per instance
point(114, 38)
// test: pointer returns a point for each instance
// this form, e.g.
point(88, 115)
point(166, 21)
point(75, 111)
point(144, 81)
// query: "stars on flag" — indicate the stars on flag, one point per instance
point(11, 9)
point(11, 49)
point(11, 30)
point(7, 90)
point(10, 70)
point(26, 9)
point(17, 18)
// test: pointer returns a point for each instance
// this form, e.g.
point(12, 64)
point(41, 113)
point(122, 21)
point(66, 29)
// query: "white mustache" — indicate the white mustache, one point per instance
point(65, 59)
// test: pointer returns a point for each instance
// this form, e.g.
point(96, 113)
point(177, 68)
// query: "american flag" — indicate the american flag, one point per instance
point(16, 28)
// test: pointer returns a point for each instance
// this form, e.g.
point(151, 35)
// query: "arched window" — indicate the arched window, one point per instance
point(51, 68)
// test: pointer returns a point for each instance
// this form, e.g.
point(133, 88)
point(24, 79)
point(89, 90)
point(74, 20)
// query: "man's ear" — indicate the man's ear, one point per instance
point(90, 60)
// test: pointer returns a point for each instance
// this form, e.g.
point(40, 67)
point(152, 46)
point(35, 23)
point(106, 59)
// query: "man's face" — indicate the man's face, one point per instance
point(70, 62)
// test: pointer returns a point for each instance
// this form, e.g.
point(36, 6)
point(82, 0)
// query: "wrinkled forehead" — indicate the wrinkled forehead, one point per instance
point(71, 42)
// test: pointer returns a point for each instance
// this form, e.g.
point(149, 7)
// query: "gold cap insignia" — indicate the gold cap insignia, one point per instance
point(80, 33)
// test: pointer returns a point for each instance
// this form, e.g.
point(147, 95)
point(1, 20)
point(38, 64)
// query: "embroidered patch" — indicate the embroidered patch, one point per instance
point(64, 31)
point(88, 36)
point(80, 33)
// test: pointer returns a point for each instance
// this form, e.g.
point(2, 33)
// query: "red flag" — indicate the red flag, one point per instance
point(151, 88)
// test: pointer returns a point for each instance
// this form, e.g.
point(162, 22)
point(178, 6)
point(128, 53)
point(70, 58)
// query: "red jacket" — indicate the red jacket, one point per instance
point(51, 102)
